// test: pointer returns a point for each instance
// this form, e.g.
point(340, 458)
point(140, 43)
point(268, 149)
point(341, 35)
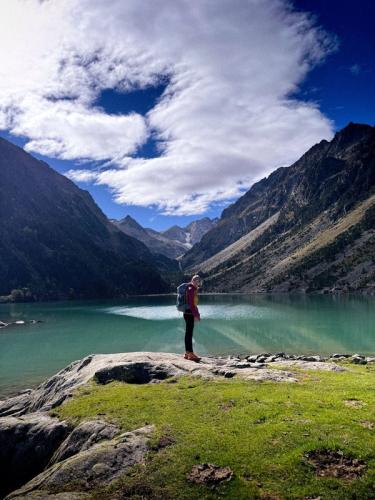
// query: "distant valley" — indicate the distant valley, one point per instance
point(173, 242)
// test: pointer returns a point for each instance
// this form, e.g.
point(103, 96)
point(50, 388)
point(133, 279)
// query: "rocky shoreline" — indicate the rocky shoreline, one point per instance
point(39, 452)
point(4, 324)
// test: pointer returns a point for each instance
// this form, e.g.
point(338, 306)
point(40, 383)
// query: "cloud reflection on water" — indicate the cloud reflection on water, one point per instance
point(227, 312)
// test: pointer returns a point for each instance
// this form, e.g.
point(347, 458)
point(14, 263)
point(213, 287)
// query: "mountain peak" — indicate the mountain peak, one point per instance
point(353, 132)
point(356, 126)
point(130, 222)
point(330, 178)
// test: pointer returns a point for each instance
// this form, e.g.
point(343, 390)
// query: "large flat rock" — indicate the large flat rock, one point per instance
point(311, 365)
point(141, 368)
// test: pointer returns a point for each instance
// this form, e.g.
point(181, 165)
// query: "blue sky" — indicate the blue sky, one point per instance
point(344, 86)
point(167, 123)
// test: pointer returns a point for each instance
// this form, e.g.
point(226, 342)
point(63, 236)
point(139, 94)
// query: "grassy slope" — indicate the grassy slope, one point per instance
point(327, 236)
point(262, 432)
point(235, 248)
point(286, 252)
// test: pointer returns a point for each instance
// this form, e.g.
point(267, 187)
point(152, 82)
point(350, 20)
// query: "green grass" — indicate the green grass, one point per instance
point(262, 433)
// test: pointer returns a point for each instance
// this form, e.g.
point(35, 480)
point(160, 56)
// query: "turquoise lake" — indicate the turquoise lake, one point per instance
point(231, 324)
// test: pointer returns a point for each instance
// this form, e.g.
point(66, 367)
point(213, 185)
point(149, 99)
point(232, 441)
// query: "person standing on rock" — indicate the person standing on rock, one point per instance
point(190, 316)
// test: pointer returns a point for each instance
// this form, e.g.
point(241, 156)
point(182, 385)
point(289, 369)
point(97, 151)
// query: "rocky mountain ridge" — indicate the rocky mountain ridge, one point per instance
point(173, 242)
point(307, 227)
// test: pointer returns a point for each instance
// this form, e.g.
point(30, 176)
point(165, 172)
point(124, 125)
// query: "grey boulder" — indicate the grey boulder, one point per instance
point(26, 446)
point(99, 465)
point(45, 495)
point(85, 435)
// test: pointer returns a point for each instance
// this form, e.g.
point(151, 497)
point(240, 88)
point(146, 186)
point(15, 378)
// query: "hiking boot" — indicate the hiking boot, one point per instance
point(191, 356)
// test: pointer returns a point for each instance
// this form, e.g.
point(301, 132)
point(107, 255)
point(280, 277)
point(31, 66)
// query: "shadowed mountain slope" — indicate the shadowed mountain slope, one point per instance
point(56, 241)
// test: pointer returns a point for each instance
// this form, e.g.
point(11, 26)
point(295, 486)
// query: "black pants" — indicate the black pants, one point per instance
point(189, 320)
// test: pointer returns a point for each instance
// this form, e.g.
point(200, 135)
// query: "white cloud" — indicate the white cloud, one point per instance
point(225, 120)
point(82, 175)
point(70, 131)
